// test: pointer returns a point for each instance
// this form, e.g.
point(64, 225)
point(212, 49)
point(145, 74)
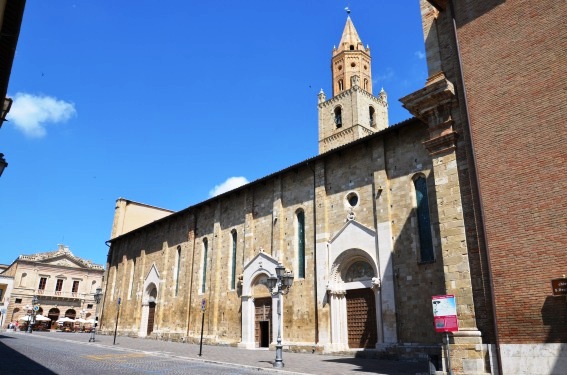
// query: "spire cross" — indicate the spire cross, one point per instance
point(347, 10)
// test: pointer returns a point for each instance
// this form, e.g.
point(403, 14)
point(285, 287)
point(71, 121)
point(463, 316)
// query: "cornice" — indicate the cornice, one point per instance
point(344, 133)
point(350, 92)
point(62, 252)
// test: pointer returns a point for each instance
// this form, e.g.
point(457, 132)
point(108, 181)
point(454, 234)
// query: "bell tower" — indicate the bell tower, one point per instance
point(353, 112)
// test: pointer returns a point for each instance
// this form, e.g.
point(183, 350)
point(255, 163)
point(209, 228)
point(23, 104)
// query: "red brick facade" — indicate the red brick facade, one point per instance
point(514, 63)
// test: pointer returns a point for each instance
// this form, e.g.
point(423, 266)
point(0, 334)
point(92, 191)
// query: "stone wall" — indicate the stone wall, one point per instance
point(263, 216)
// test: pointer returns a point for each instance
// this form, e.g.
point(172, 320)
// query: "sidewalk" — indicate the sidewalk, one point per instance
point(298, 363)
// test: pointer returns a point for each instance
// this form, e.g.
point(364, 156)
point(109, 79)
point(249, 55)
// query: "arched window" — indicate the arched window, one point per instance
point(371, 114)
point(204, 279)
point(177, 270)
point(341, 85)
point(423, 220)
point(233, 261)
point(351, 47)
point(338, 117)
point(365, 84)
point(300, 244)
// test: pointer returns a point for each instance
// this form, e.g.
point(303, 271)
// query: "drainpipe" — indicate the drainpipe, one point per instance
point(477, 185)
point(315, 255)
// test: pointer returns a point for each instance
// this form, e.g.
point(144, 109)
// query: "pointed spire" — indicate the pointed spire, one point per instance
point(350, 37)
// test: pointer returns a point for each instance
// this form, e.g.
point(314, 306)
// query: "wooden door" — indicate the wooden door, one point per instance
point(263, 322)
point(361, 321)
point(151, 316)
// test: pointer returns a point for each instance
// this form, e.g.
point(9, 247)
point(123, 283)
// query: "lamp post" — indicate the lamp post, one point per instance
point(97, 297)
point(3, 164)
point(278, 285)
point(6, 105)
point(31, 314)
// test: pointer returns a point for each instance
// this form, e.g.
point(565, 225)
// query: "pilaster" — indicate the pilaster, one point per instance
point(433, 105)
point(382, 206)
point(321, 241)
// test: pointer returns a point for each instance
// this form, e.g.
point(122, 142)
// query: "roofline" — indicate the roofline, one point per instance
point(305, 163)
point(145, 204)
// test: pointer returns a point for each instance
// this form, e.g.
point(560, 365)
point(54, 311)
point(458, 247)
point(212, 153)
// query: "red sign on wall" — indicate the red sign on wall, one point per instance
point(445, 313)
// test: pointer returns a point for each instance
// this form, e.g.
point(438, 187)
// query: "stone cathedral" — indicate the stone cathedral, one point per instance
point(371, 228)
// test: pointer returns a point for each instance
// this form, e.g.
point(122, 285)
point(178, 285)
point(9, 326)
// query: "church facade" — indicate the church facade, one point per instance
point(466, 199)
point(371, 229)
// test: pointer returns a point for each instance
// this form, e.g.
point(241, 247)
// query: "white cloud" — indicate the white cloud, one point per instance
point(229, 184)
point(387, 75)
point(420, 55)
point(31, 113)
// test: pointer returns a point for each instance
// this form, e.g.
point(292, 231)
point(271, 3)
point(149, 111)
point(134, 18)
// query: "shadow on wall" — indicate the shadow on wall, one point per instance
point(475, 10)
point(554, 316)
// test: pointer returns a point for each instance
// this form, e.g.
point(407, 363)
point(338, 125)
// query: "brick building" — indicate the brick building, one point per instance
point(501, 68)
point(462, 200)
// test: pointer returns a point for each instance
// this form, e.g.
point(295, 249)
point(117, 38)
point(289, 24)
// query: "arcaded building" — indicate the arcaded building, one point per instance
point(63, 283)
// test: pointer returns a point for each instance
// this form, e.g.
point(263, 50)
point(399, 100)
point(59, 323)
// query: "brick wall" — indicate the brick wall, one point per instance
point(514, 59)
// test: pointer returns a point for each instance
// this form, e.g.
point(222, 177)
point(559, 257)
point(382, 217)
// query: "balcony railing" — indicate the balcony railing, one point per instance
point(62, 294)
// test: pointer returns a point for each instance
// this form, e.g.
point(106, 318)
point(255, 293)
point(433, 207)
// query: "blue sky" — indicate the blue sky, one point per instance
point(162, 103)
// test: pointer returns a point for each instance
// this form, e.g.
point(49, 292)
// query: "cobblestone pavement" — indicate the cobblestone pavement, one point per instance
point(241, 360)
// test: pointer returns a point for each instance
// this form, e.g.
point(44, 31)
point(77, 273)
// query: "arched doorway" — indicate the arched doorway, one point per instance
point(152, 309)
point(150, 300)
point(53, 314)
point(14, 313)
point(353, 299)
point(71, 314)
point(259, 319)
point(263, 333)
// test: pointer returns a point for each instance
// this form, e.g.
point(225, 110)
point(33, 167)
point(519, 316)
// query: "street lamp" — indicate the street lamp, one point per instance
point(278, 285)
point(31, 314)
point(3, 164)
point(97, 297)
point(6, 105)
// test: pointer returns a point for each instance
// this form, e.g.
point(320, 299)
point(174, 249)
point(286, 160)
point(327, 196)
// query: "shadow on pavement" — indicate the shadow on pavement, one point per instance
point(384, 366)
point(14, 363)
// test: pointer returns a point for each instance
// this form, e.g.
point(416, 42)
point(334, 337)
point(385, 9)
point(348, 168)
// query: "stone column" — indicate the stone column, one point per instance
point(247, 341)
point(339, 329)
point(143, 332)
point(433, 105)
point(380, 332)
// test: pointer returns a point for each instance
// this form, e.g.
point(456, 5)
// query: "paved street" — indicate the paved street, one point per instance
point(71, 353)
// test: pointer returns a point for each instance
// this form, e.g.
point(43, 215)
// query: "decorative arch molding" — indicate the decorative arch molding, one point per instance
point(347, 259)
point(351, 244)
point(261, 265)
point(151, 295)
point(354, 235)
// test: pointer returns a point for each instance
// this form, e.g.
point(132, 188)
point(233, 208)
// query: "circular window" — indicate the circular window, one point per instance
point(352, 199)
point(365, 67)
point(353, 64)
point(340, 67)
